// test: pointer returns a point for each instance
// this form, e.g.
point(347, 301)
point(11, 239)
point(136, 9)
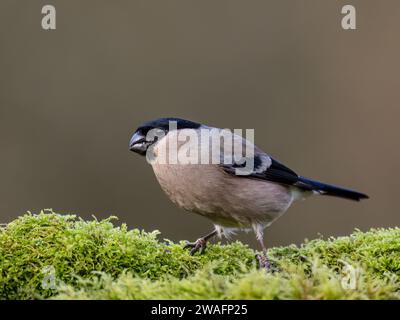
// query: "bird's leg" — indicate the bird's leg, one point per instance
point(263, 259)
point(200, 244)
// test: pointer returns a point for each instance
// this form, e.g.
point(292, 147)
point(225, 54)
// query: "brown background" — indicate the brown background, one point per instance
point(322, 100)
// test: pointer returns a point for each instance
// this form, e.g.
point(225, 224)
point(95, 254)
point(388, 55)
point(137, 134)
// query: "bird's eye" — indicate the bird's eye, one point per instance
point(143, 131)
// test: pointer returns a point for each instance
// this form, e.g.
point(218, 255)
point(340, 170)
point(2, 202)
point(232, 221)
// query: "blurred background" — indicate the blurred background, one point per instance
point(322, 100)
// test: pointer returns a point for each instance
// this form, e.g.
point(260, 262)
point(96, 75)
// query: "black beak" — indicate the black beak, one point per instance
point(138, 144)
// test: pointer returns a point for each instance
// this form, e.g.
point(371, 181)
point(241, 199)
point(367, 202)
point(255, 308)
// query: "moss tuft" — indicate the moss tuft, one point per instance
point(64, 257)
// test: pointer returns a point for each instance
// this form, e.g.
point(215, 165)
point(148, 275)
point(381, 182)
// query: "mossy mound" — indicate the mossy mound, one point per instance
point(63, 257)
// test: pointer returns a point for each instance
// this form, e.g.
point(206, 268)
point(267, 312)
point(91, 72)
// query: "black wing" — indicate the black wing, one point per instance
point(267, 168)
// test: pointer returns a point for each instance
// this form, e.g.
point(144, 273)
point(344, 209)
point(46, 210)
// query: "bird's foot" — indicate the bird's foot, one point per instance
point(263, 261)
point(199, 245)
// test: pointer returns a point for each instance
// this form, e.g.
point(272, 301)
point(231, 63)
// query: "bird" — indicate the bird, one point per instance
point(217, 190)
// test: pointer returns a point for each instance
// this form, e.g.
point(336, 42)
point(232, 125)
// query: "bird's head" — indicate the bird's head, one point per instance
point(149, 132)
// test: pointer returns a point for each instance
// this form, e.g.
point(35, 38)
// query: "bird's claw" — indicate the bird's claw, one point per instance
point(263, 262)
point(199, 245)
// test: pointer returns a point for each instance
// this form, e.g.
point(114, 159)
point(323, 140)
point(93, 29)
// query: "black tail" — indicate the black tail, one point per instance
point(330, 190)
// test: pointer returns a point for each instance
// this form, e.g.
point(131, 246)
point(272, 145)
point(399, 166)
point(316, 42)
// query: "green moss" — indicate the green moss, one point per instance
point(63, 257)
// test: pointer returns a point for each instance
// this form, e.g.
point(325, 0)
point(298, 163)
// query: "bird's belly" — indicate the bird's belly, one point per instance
point(227, 200)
